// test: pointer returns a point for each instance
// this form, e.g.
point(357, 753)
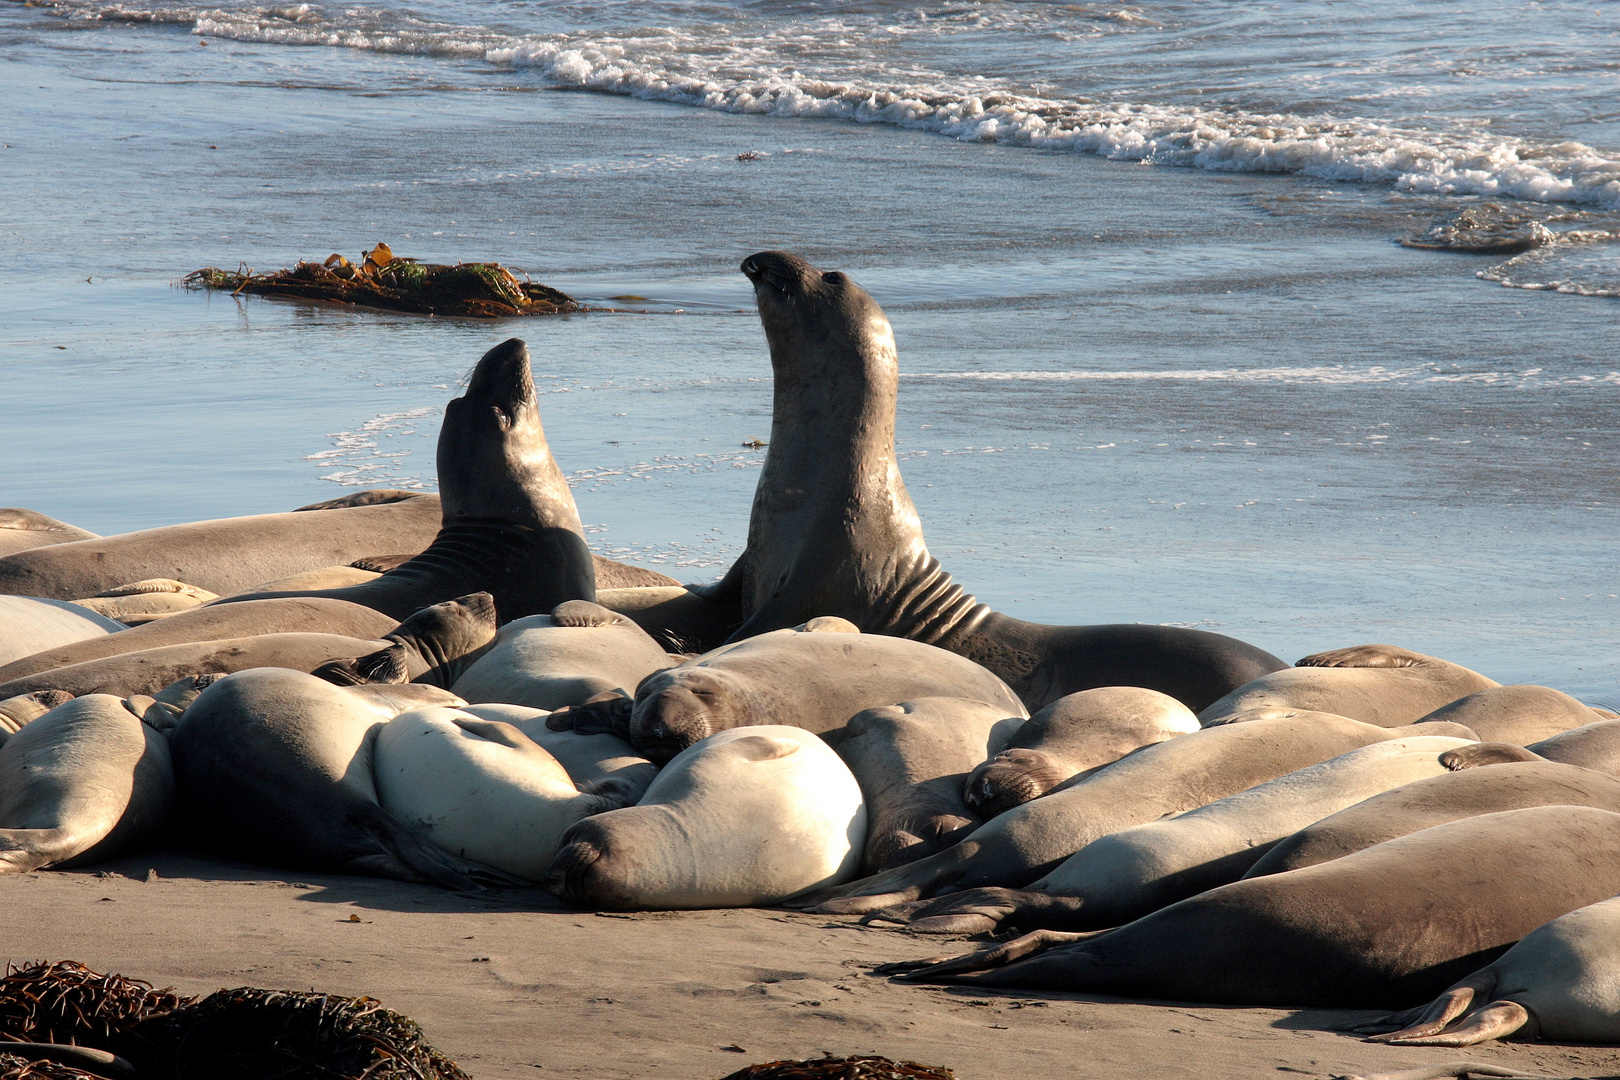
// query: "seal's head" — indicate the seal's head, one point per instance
point(681, 706)
point(493, 460)
point(1011, 778)
point(810, 313)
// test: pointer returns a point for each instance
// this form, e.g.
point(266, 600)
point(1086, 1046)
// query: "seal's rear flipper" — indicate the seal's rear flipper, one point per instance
point(22, 850)
point(1486, 753)
point(406, 857)
point(925, 877)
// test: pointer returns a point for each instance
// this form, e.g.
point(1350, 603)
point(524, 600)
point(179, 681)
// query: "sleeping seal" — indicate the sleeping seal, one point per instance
point(1078, 733)
point(1519, 714)
point(746, 818)
point(83, 782)
point(1019, 846)
point(1393, 924)
point(578, 651)
point(815, 681)
point(910, 760)
point(482, 789)
point(1435, 801)
point(276, 766)
point(1136, 871)
point(510, 527)
point(30, 624)
point(23, 530)
point(834, 532)
point(1376, 684)
point(1558, 984)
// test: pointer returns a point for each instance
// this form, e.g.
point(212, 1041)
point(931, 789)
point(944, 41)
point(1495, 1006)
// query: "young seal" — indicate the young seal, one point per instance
point(811, 680)
point(276, 766)
point(1078, 733)
point(83, 782)
point(434, 645)
point(834, 532)
point(1393, 924)
point(910, 760)
point(510, 527)
point(1519, 714)
point(1376, 684)
point(301, 615)
point(230, 554)
point(24, 530)
point(1136, 871)
point(747, 818)
point(1030, 840)
point(31, 624)
point(1435, 801)
point(578, 651)
point(1557, 984)
point(482, 789)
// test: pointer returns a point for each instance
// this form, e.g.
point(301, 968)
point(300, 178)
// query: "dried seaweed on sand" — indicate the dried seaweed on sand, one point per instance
point(388, 281)
point(842, 1068)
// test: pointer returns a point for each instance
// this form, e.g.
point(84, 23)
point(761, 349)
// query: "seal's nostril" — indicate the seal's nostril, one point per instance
point(750, 267)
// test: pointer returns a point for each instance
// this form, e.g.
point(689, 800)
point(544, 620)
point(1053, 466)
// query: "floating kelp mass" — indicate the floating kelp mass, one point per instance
point(385, 280)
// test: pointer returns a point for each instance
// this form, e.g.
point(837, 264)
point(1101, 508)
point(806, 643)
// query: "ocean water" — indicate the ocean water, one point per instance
point(1297, 322)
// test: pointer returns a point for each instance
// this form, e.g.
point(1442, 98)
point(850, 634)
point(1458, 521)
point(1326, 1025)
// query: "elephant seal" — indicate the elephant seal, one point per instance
point(434, 646)
point(814, 681)
point(143, 601)
point(24, 530)
point(1435, 801)
point(302, 615)
point(1519, 714)
point(834, 532)
point(22, 709)
point(1376, 684)
point(482, 789)
point(1077, 733)
point(1028, 841)
point(1591, 746)
point(31, 624)
point(230, 554)
point(578, 651)
point(589, 760)
point(910, 760)
point(83, 782)
point(747, 818)
point(509, 527)
point(1557, 984)
point(1136, 871)
point(276, 766)
point(1393, 924)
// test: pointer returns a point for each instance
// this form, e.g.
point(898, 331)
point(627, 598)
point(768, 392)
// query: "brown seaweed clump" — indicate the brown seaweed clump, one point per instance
point(843, 1068)
point(388, 281)
point(241, 1034)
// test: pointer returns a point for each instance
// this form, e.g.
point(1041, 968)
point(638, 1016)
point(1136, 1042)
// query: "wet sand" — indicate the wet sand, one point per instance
point(511, 985)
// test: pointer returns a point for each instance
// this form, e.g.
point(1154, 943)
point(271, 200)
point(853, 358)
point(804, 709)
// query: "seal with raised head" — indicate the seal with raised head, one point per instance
point(83, 782)
point(1557, 984)
point(1376, 684)
point(910, 760)
point(1435, 801)
point(1019, 846)
point(746, 818)
point(276, 766)
point(833, 530)
point(1077, 733)
point(807, 679)
point(1136, 871)
point(1391, 925)
point(510, 527)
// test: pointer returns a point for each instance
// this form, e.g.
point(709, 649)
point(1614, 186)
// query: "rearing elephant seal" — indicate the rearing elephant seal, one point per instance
point(834, 532)
point(814, 681)
point(510, 527)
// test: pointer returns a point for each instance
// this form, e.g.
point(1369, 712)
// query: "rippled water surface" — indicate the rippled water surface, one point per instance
point(1212, 390)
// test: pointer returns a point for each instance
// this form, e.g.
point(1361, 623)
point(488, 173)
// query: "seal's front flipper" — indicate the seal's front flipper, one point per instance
point(1486, 753)
point(1384, 656)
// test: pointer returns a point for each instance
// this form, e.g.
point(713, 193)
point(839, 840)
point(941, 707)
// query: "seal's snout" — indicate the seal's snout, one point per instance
point(669, 721)
point(779, 270)
point(566, 876)
point(503, 378)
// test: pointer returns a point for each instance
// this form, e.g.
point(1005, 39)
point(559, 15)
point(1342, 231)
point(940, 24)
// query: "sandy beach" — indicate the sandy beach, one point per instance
point(511, 985)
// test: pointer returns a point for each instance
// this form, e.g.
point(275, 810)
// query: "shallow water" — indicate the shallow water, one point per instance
point(1130, 393)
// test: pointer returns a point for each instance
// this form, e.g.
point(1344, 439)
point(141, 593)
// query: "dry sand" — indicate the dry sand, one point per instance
point(511, 985)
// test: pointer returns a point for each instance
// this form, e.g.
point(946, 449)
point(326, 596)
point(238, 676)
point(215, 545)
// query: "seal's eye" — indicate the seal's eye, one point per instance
point(833, 277)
